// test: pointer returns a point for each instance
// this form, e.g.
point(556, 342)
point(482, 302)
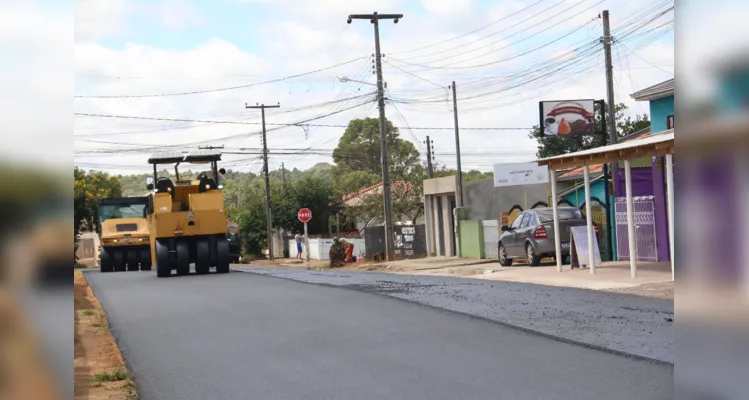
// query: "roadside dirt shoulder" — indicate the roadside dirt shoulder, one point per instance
point(100, 371)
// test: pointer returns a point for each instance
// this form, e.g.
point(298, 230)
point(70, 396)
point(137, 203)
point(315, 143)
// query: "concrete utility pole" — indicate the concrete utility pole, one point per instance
point(609, 78)
point(457, 148)
point(269, 217)
point(430, 171)
point(375, 18)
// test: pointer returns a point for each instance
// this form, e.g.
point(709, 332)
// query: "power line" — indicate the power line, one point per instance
point(281, 124)
point(218, 89)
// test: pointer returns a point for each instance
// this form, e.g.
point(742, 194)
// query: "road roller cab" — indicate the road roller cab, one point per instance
point(123, 233)
point(187, 221)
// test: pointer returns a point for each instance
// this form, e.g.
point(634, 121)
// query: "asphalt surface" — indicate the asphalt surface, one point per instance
point(619, 322)
point(248, 336)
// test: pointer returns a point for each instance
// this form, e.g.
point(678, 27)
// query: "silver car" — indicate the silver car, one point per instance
point(531, 235)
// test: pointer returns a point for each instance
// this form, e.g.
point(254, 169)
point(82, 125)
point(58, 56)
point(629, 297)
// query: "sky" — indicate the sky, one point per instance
point(504, 56)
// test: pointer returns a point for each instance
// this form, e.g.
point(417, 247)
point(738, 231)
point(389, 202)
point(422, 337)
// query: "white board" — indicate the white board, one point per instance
point(517, 174)
point(580, 239)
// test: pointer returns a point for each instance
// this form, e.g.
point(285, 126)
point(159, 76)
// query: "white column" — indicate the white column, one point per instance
point(589, 218)
point(630, 219)
point(428, 224)
point(670, 200)
point(555, 208)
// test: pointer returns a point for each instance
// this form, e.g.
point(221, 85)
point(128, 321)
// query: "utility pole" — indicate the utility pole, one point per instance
point(609, 77)
point(430, 171)
point(283, 179)
point(269, 217)
point(610, 124)
point(457, 148)
point(375, 18)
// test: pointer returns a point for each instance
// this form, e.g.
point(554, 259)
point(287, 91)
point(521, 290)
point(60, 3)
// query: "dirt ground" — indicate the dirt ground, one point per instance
point(100, 371)
point(23, 372)
point(656, 290)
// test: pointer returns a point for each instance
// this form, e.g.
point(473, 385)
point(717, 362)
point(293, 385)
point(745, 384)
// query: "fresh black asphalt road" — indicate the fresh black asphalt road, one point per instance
point(248, 336)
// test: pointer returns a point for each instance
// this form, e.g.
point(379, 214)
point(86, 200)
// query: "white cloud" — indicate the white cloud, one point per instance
point(96, 20)
point(304, 44)
point(35, 106)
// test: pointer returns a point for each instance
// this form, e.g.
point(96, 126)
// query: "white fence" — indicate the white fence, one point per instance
point(491, 237)
point(320, 248)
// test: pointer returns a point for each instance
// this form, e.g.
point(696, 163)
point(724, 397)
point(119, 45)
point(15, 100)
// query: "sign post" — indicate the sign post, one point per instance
point(305, 215)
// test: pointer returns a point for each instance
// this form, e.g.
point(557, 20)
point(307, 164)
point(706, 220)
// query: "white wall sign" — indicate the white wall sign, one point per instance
point(517, 174)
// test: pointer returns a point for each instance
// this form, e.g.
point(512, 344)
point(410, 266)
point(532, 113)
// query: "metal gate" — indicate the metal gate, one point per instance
point(644, 219)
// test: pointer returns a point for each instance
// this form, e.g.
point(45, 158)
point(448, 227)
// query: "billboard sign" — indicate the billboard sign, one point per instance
point(517, 174)
point(567, 117)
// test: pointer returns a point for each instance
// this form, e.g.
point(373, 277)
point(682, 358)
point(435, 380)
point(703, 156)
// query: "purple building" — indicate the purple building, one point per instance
point(648, 184)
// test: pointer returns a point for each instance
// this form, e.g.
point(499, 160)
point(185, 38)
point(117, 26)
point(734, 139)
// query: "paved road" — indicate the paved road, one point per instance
point(626, 323)
point(247, 336)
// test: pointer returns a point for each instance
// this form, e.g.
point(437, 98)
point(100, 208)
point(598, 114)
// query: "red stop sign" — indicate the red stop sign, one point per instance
point(304, 215)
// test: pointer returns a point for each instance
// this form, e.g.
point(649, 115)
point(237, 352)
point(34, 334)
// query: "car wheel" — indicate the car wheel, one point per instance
point(533, 259)
point(502, 255)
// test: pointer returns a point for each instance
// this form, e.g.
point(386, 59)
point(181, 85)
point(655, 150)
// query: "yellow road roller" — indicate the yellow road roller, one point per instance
point(187, 221)
point(123, 234)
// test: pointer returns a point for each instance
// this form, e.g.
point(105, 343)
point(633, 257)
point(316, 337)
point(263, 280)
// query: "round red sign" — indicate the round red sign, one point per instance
point(304, 215)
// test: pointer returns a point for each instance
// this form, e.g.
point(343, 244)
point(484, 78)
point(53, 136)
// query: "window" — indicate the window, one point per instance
point(526, 220)
point(565, 213)
point(516, 222)
point(670, 122)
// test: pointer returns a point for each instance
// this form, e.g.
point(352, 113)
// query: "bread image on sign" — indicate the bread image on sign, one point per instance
point(568, 117)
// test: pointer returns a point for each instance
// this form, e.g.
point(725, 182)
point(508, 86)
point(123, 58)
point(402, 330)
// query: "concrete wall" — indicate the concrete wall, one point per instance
point(491, 237)
point(471, 239)
point(483, 201)
point(659, 111)
point(444, 185)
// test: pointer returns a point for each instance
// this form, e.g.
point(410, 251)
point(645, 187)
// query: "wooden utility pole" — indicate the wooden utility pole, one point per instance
point(430, 170)
point(609, 78)
point(375, 18)
point(610, 124)
point(269, 217)
point(283, 179)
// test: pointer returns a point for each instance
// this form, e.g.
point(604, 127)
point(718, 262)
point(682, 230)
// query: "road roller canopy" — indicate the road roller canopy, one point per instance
point(198, 156)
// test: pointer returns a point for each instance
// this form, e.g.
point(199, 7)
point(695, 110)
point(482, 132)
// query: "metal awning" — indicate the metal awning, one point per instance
point(659, 144)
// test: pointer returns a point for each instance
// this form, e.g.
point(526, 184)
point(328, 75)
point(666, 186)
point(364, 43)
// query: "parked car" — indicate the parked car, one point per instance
point(531, 235)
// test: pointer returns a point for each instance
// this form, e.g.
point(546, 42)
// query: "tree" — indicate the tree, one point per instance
point(89, 188)
point(557, 145)
point(359, 150)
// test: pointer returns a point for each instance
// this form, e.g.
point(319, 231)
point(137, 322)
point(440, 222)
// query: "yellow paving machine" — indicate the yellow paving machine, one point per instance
point(187, 221)
point(123, 234)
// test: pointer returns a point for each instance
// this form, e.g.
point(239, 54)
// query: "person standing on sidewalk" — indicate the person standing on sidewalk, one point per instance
point(299, 239)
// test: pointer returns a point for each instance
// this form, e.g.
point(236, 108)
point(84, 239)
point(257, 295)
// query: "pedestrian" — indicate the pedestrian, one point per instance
point(299, 239)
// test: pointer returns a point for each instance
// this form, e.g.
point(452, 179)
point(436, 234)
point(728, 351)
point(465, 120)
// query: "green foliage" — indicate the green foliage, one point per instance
point(557, 145)
point(359, 150)
point(89, 188)
point(118, 375)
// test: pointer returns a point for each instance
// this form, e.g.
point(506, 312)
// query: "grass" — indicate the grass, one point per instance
point(119, 375)
point(88, 313)
point(99, 325)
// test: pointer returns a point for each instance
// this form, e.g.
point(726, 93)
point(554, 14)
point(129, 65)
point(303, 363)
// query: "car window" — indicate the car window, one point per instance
point(567, 213)
point(516, 222)
point(526, 220)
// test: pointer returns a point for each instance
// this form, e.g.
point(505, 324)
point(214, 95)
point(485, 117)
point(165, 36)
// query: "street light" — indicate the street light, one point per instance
point(347, 80)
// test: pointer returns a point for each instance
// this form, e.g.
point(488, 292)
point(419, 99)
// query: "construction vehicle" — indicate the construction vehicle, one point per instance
point(235, 242)
point(187, 221)
point(123, 234)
